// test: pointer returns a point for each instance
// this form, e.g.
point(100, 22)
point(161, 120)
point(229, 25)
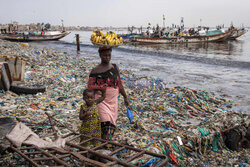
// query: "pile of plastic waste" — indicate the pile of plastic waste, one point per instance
point(184, 124)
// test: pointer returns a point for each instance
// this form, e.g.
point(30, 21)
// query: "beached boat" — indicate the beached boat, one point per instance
point(183, 39)
point(22, 37)
point(237, 33)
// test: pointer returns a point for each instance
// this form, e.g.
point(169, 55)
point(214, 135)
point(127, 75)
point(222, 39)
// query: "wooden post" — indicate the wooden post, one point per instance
point(77, 42)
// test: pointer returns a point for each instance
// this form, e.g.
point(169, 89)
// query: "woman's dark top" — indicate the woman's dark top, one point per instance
point(109, 77)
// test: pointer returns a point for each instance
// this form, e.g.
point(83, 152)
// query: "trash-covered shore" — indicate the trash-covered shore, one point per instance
point(184, 124)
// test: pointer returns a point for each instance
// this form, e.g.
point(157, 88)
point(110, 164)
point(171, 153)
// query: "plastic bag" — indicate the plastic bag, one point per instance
point(130, 115)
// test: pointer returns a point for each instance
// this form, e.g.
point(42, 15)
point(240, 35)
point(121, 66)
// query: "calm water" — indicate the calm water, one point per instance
point(223, 68)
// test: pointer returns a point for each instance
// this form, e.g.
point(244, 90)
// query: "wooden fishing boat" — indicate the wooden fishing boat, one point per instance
point(237, 33)
point(126, 37)
point(21, 37)
point(183, 39)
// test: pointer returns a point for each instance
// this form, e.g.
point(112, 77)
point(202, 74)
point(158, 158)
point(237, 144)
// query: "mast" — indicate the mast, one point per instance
point(163, 19)
point(182, 23)
point(62, 25)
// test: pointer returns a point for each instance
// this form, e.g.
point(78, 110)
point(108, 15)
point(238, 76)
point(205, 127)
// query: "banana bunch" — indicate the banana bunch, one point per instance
point(110, 38)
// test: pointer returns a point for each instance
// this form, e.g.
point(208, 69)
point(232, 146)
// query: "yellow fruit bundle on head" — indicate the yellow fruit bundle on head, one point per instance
point(109, 39)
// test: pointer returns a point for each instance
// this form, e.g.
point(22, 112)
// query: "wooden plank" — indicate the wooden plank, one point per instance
point(11, 57)
point(16, 66)
point(119, 149)
point(130, 148)
point(54, 157)
point(100, 154)
point(60, 150)
point(90, 161)
point(74, 138)
point(85, 141)
point(24, 156)
point(58, 154)
point(1, 83)
point(135, 156)
point(67, 135)
point(8, 71)
point(111, 163)
point(22, 70)
point(4, 77)
point(51, 158)
point(100, 146)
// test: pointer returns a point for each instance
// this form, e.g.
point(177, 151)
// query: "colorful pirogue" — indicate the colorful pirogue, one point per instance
point(22, 37)
point(183, 39)
point(218, 35)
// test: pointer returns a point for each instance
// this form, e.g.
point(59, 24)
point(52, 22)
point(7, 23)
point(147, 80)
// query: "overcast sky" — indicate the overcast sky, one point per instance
point(126, 12)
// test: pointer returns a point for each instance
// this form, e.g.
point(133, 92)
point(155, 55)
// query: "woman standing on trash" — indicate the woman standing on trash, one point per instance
point(107, 76)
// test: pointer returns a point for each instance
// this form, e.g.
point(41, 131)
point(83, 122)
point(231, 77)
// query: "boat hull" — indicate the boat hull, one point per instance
point(236, 34)
point(29, 38)
point(183, 39)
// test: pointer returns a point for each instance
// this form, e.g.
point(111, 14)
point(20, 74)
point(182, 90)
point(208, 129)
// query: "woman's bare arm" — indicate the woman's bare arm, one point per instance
point(121, 88)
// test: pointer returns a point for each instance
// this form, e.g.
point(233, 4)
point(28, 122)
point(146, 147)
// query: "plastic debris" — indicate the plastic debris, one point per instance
point(186, 125)
point(130, 115)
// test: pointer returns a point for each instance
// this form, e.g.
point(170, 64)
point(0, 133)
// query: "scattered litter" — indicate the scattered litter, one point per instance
point(186, 125)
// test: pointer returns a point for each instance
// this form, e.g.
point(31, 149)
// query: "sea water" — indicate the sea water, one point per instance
point(223, 68)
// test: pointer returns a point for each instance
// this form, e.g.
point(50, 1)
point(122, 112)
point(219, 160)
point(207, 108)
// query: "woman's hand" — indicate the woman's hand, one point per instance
point(85, 112)
point(88, 113)
point(126, 101)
